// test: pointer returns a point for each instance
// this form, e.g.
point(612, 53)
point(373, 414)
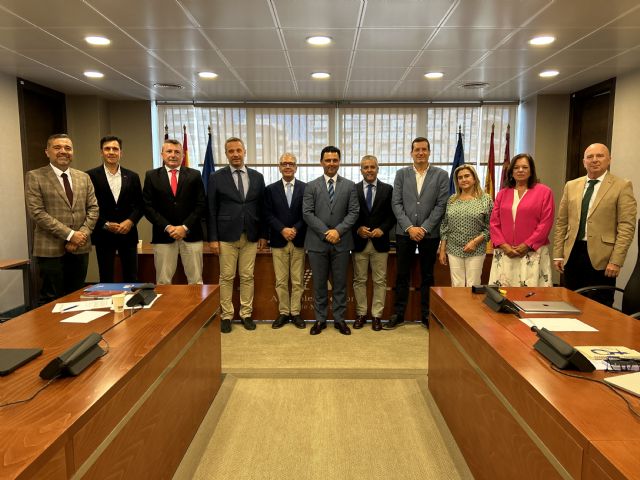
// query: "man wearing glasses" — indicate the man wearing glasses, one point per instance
point(283, 212)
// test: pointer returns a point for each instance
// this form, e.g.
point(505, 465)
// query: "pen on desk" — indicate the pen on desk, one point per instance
point(530, 294)
point(69, 308)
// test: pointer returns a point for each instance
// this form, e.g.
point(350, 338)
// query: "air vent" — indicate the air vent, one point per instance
point(168, 86)
point(474, 85)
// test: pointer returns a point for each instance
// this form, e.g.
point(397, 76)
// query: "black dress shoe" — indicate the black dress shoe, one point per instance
point(225, 326)
point(342, 328)
point(298, 321)
point(360, 321)
point(376, 324)
point(318, 327)
point(248, 323)
point(394, 321)
point(280, 321)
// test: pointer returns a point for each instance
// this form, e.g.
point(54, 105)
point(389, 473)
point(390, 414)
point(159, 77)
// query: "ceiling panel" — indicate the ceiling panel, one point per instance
point(435, 59)
point(612, 38)
point(459, 38)
point(495, 13)
point(68, 13)
point(229, 14)
point(187, 38)
point(317, 14)
point(140, 13)
point(393, 38)
point(578, 13)
point(319, 58)
point(244, 39)
point(268, 74)
point(405, 13)
point(252, 58)
point(296, 38)
point(389, 58)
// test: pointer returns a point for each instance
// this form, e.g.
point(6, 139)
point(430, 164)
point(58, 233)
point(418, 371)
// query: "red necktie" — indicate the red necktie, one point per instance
point(67, 188)
point(174, 181)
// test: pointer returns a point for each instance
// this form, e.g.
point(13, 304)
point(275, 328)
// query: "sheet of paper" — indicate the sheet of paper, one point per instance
point(81, 305)
point(559, 324)
point(84, 317)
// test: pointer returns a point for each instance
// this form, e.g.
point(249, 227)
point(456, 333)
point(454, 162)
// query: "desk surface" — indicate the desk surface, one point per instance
point(31, 433)
point(13, 263)
point(502, 347)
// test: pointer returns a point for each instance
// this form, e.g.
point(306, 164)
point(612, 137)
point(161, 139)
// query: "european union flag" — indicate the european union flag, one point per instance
point(458, 159)
point(209, 164)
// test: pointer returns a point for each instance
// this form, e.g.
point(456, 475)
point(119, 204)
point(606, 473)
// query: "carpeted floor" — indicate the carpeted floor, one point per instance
point(293, 406)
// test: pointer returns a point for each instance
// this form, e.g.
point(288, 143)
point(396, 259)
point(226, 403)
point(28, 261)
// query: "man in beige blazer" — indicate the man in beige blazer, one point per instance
point(591, 252)
point(62, 203)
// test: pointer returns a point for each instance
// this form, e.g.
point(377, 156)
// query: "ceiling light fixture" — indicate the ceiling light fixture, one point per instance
point(320, 75)
point(93, 74)
point(474, 85)
point(433, 75)
point(542, 40)
point(207, 75)
point(168, 86)
point(548, 73)
point(96, 40)
point(319, 40)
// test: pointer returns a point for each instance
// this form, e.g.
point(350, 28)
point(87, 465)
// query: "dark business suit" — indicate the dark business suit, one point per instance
point(186, 208)
point(288, 257)
point(381, 216)
point(238, 224)
point(325, 258)
point(128, 207)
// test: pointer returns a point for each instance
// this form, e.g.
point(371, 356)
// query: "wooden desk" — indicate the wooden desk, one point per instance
point(265, 305)
point(131, 414)
point(510, 413)
point(22, 264)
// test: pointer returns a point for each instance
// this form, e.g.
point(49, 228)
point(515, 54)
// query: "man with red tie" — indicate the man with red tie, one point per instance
point(174, 202)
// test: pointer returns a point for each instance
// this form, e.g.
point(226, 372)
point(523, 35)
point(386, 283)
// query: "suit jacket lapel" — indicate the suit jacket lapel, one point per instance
point(602, 190)
point(104, 183)
point(124, 184)
point(55, 181)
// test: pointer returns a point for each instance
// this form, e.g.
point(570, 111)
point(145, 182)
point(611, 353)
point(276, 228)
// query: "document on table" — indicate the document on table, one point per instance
point(554, 324)
point(84, 317)
point(81, 305)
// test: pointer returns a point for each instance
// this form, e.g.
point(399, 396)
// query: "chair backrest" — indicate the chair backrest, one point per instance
point(631, 295)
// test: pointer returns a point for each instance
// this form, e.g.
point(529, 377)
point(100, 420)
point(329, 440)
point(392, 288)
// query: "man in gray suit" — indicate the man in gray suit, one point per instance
point(330, 209)
point(419, 200)
point(62, 203)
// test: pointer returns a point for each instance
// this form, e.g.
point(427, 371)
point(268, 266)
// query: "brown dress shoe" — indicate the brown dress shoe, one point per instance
point(376, 324)
point(360, 321)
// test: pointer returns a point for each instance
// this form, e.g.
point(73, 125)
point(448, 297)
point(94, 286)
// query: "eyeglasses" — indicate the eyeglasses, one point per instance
point(617, 364)
point(287, 164)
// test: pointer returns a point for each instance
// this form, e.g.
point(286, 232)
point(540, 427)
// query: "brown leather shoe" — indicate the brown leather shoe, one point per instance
point(360, 321)
point(342, 328)
point(317, 328)
point(376, 324)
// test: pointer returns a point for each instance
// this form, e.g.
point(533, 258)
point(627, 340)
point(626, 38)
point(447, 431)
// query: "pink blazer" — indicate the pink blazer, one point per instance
point(534, 218)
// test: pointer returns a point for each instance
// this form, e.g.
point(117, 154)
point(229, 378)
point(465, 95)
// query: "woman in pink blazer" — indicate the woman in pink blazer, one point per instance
point(520, 223)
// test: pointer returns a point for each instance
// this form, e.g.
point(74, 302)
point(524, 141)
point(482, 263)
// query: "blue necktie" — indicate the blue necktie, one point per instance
point(332, 193)
point(369, 196)
point(288, 193)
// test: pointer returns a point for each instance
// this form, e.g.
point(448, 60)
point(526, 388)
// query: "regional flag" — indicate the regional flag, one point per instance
point(489, 181)
point(185, 148)
point(458, 159)
point(504, 181)
point(209, 164)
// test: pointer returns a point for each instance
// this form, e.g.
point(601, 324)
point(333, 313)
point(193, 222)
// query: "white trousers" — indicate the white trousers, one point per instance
point(466, 271)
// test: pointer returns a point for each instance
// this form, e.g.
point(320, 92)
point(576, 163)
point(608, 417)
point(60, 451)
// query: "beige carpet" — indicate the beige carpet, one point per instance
point(293, 406)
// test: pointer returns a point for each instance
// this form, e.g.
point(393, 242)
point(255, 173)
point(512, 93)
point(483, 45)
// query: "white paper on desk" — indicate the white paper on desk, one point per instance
point(559, 324)
point(84, 317)
point(81, 305)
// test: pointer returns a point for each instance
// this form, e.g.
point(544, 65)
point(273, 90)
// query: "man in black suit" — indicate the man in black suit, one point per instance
point(174, 203)
point(236, 229)
point(371, 242)
point(283, 211)
point(330, 209)
point(119, 196)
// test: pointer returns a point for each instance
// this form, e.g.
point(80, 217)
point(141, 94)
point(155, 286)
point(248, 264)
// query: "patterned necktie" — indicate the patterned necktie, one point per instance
point(369, 196)
point(584, 210)
point(67, 188)
point(240, 184)
point(332, 192)
point(288, 193)
point(174, 182)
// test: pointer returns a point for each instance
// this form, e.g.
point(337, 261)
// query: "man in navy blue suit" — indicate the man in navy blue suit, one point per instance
point(119, 196)
point(236, 229)
point(283, 211)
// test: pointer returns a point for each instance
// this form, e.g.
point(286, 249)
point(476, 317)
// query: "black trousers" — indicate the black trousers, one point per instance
point(106, 254)
point(405, 250)
point(578, 273)
point(61, 275)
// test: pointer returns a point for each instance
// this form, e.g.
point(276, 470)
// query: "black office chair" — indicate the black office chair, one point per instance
point(630, 293)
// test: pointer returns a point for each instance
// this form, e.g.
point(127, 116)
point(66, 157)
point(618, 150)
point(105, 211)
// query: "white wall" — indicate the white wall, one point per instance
point(12, 213)
point(625, 149)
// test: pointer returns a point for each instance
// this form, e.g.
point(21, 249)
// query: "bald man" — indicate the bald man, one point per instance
point(595, 225)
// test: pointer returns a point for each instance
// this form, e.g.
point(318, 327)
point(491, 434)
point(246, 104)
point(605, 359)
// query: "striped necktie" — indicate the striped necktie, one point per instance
point(332, 192)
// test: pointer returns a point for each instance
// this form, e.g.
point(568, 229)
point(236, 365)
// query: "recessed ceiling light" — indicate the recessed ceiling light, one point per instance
point(95, 40)
point(207, 75)
point(433, 75)
point(548, 73)
point(93, 74)
point(319, 40)
point(542, 40)
point(320, 75)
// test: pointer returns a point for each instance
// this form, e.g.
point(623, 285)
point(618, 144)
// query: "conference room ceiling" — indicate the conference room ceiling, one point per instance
point(380, 51)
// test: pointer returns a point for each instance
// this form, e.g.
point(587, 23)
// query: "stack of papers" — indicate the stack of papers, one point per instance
point(559, 324)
